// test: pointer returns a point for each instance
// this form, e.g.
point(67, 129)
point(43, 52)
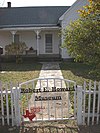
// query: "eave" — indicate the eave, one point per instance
point(29, 27)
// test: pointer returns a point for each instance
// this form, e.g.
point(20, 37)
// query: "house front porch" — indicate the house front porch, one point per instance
point(32, 58)
point(41, 42)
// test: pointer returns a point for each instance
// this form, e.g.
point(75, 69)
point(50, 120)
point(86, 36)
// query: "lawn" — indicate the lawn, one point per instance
point(78, 72)
point(19, 72)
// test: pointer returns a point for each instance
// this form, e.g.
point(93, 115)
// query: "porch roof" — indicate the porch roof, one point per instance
point(31, 16)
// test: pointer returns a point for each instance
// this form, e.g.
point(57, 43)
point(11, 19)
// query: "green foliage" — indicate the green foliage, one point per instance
point(16, 49)
point(82, 37)
point(93, 8)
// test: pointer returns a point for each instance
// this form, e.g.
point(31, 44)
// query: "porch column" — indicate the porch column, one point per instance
point(37, 40)
point(13, 33)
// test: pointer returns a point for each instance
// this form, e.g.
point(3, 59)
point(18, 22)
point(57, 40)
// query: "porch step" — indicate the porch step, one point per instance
point(49, 57)
point(46, 59)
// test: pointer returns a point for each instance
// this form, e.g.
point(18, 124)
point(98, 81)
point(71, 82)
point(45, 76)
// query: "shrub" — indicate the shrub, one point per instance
point(16, 49)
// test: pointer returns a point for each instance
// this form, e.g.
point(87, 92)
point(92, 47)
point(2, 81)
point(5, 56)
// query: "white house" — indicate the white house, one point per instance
point(38, 27)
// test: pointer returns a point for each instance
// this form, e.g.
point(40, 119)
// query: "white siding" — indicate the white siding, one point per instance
point(64, 53)
point(71, 15)
point(5, 39)
point(24, 36)
point(57, 42)
point(29, 37)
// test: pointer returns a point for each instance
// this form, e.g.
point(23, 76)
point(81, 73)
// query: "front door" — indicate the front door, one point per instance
point(48, 43)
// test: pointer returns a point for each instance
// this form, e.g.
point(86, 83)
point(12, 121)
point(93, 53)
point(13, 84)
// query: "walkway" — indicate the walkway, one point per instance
point(51, 70)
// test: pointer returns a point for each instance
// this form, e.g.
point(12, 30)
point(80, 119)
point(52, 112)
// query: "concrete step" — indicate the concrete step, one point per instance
point(52, 59)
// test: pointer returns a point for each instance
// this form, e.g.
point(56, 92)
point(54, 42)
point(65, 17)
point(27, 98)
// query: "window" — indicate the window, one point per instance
point(16, 38)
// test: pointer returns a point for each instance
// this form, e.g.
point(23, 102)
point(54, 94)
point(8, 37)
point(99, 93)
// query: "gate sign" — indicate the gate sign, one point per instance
point(45, 90)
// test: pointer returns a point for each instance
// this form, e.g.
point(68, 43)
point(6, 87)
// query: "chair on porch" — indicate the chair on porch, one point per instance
point(31, 51)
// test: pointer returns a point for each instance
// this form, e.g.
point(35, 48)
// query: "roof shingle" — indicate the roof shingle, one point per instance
point(31, 16)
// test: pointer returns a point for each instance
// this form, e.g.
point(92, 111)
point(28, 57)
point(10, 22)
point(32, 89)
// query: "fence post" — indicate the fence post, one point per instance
point(79, 105)
point(2, 105)
point(16, 92)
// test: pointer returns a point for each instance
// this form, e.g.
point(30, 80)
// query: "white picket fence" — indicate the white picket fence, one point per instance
point(9, 104)
point(86, 103)
point(91, 103)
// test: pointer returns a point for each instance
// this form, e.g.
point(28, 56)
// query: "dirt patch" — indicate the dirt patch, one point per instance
point(69, 126)
point(43, 127)
point(90, 129)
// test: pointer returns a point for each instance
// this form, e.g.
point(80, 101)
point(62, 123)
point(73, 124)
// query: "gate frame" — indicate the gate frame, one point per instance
point(65, 80)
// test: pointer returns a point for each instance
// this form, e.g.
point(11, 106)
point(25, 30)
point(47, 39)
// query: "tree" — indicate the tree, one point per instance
point(16, 49)
point(82, 37)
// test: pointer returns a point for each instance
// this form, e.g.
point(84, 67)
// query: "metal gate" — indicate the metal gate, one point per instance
point(49, 99)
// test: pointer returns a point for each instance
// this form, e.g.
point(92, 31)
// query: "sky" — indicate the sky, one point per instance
point(19, 3)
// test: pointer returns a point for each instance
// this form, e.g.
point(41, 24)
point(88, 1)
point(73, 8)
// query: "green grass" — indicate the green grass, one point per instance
point(78, 72)
point(26, 71)
point(12, 72)
point(18, 73)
